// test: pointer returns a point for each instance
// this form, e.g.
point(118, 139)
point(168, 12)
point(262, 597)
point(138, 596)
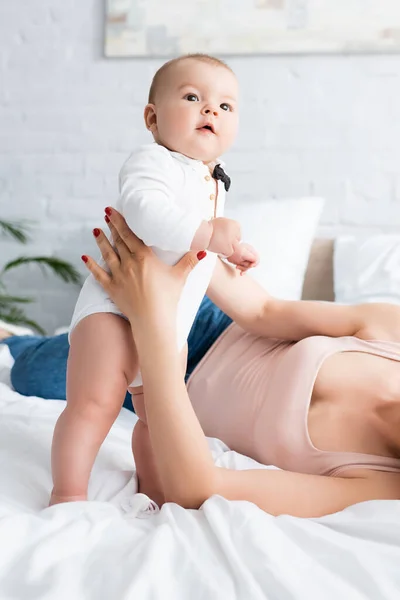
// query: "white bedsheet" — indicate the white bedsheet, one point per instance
point(227, 550)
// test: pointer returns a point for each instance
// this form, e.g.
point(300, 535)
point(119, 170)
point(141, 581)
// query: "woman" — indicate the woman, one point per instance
point(343, 393)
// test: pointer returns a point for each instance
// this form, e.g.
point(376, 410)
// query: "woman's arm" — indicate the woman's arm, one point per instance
point(183, 458)
point(250, 306)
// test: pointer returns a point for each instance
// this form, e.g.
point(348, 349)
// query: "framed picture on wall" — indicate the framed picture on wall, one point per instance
point(165, 28)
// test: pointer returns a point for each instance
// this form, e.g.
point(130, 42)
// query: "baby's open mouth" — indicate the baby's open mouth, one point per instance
point(207, 128)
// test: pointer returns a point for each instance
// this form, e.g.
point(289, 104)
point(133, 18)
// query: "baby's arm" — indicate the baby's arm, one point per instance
point(223, 237)
point(147, 201)
point(148, 204)
point(219, 235)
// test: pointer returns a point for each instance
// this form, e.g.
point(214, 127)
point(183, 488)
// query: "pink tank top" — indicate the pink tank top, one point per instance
point(254, 394)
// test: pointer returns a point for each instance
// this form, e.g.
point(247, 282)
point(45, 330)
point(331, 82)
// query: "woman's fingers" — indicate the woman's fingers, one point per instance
point(121, 247)
point(98, 273)
point(107, 251)
point(123, 232)
point(188, 262)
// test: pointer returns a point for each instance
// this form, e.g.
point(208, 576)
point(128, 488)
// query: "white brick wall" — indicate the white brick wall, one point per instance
point(328, 125)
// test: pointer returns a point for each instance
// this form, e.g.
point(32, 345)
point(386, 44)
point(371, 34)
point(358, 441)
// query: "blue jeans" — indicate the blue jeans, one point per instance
point(40, 366)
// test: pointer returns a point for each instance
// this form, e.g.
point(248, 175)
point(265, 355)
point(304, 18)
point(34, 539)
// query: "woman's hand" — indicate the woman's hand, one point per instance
point(144, 288)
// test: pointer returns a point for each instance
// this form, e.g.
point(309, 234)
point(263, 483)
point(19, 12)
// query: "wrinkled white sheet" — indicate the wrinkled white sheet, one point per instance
point(227, 550)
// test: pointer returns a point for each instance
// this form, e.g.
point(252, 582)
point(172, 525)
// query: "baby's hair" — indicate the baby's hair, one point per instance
point(212, 60)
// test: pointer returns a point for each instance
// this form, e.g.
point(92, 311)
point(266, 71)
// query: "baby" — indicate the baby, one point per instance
point(172, 195)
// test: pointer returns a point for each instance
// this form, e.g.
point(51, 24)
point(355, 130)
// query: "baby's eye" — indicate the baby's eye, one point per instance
point(192, 97)
point(225, 106)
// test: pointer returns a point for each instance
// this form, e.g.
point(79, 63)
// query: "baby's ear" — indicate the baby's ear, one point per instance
point(150, 117)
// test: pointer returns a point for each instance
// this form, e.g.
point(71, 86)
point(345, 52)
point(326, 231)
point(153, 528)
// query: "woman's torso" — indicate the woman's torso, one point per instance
point(306, 406)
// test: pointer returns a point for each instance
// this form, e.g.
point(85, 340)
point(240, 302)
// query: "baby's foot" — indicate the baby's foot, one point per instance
point(152, 492)
point(140, 506)
point(56, 499)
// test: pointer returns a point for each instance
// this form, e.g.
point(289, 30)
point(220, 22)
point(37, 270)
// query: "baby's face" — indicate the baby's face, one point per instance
point(196, 110)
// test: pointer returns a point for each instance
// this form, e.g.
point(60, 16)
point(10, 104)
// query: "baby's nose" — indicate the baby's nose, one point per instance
point(211, 110)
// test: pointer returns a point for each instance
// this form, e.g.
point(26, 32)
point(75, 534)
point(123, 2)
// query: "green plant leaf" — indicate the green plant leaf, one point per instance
point(9, 309)
point(61, 268)
point(16, 230)
point(7, 300)
point(17, 317)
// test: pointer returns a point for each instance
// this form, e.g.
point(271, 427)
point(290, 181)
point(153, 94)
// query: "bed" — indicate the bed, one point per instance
point(105, 550)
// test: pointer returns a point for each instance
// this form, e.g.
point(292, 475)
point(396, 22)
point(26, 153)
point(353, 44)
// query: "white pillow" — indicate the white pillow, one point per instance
point(367, 269)
point(282, 231)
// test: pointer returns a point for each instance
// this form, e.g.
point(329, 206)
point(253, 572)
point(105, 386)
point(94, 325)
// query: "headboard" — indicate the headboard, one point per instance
point(318, 282)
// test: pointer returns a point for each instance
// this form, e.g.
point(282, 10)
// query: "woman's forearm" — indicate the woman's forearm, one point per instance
point(180, 447)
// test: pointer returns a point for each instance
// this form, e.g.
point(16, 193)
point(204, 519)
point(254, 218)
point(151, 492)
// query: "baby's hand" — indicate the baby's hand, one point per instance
point(245, 257)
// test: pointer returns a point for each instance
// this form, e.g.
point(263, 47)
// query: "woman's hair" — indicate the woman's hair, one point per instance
point(163, 70)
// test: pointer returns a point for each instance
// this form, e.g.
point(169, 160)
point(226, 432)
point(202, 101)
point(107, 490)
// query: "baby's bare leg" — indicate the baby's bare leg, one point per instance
point(146, 469)
point(102, 361)
point(149, 481)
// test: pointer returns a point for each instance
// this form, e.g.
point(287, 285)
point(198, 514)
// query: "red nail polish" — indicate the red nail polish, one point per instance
point(96, 232)
point(84, 258)
point(108, 211)
point(107, 220)
point(202, 254)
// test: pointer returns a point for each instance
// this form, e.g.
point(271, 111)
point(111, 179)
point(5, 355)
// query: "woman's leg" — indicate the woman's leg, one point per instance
point(40, 365)
point(18, 343)
point(101, 364)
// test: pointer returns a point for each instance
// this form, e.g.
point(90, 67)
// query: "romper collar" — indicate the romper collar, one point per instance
point(196, 164)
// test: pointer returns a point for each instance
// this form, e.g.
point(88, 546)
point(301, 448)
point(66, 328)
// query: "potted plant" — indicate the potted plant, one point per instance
point(11, 310)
